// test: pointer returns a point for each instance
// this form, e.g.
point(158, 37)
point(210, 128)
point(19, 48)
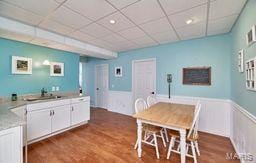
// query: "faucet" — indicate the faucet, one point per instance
point(43, 92)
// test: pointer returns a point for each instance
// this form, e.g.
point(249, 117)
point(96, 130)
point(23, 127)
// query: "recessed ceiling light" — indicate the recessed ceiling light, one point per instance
point(189, 21)
point(112, 21)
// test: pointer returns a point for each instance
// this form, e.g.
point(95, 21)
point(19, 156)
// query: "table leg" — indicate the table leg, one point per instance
point(139, 136)
point(183, 146)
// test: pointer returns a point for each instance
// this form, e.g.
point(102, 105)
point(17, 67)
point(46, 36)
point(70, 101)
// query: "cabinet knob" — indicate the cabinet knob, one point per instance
point(50, 113)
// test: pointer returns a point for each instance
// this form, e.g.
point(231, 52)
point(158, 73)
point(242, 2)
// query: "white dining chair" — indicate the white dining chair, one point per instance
point(151, 101)
point(150, 131)
point(192, 137)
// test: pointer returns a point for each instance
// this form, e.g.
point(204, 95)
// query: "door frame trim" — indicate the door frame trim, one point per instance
point(133, 78)
point(95, 85)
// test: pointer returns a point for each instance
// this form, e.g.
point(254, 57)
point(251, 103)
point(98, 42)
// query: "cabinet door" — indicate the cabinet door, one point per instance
point(38, 124)
point(11, 145)
point(61, 118)
point(80, 112)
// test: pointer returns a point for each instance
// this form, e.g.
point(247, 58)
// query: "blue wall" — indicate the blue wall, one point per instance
point(171, 58)
point(239, 93)
point(23, 84)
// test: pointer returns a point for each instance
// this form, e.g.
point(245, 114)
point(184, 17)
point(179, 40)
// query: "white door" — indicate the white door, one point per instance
point(80, 112)
point(60, 118)
point(101, 86)
point(38, 123)
point(144, 78)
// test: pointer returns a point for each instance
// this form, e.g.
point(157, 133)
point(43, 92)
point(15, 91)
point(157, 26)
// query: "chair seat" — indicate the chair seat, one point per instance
point(150, 128)
point(176, 134)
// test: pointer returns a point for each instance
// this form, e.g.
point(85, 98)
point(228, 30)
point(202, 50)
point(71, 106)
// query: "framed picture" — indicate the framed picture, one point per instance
point(56, 69)
point(118, 72)
point(21, 65)
point(251, 36)
point(241, 61)
point(197, 76)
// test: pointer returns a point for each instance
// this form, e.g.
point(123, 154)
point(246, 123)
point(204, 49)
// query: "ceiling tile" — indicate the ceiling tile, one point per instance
point(70, 18)
point(122, 3)
point(81, 36)
point(113, 38)
point(39, 7)
point(221, 8)
point(156, 26)
point(143, 11)
point(165, 37)
point(192, 31)
point(144, 41)
point(221, 24)
point(197, 14)
point(95, 30)
point(132, 33)
point(121, 22)
point(19, 14)
point(93, 9)
point(173, 6)
point(55, 27)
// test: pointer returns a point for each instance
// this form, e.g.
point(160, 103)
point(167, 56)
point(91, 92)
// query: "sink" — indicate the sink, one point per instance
point(42, 98)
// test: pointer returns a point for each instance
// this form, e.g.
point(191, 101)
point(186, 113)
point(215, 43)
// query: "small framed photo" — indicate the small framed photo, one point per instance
point(241, 61)
point(56, 69)
point(21, 65)
point(251, 36)
point(118, 72)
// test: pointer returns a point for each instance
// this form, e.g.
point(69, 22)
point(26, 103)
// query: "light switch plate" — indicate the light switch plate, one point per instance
point(57, 88)
point(53, 89)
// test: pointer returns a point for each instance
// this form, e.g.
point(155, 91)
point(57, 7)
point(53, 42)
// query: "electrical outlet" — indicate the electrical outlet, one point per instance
point(57, 88)
point(53, 89)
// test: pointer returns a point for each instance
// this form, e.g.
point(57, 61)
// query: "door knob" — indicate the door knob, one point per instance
point(97, 89)
point(152, 93)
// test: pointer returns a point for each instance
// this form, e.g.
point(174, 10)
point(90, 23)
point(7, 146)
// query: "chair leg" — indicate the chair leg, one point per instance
point(170, 147)
point(193, 152)
point(166, 135)
point(136, 144)
point(197, 148)
point(162, 136)
point(156, 146)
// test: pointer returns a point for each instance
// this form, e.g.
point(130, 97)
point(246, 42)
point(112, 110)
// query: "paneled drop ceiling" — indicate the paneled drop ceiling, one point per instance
point(138, 23)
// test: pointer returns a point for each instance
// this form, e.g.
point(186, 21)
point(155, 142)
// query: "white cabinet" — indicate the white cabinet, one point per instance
point(60, 117)
point(38, 123)
point(48, 118)
point(11, 145)
point(80, 110)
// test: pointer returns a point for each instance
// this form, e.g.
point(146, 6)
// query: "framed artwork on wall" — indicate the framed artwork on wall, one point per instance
point(241, 61)
point(118, 72)
point(21, 65)
point(251, 36)
point(56, 69)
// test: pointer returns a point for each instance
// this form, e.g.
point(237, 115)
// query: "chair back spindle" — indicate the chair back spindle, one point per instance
point(140, 105)
point(194, 127)
point(151, 101)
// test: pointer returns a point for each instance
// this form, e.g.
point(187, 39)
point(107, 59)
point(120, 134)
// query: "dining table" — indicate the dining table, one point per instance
point(172, 116)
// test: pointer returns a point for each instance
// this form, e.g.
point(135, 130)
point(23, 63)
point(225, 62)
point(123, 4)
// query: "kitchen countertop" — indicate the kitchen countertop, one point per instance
point(8, 119)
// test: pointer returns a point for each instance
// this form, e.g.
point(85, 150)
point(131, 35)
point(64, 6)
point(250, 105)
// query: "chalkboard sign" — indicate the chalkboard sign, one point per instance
point(197, 76)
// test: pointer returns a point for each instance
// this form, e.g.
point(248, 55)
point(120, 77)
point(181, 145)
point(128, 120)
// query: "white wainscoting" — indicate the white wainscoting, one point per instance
point(120, 102)
point(243, 131)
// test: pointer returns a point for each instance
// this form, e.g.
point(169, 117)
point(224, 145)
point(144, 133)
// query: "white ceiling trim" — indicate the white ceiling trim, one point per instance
point(15, 28)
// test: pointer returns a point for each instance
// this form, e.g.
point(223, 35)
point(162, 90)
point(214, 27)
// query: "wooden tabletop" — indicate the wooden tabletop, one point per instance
point(173, 115)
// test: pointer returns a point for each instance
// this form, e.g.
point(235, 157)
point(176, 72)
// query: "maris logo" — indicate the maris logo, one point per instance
point(241, 156)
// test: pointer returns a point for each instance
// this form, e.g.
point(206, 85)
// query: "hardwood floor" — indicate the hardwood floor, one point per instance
point(110, 137)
